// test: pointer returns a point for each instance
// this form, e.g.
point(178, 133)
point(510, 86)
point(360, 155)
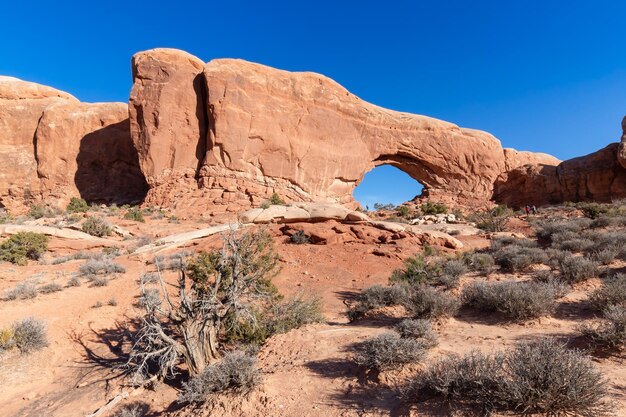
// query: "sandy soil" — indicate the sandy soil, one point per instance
point(307, 372)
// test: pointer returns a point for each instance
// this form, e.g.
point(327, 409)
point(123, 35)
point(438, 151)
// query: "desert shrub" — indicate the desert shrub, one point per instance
point(5, 217)
point(215, 290)
point(454, 268)
point(96, 226)
point(448, 281)
point(537, 377)
point(428, 250)
point(112, 302)
point(545, 229)
point(388, 351)
point(276, 199)
point(614, 240)
point(98, 280)
point(78, 255)
point(418, 329)
point(430, 207)
point(378, 296)
point(38, 211)
point(593, 210)
point(22, 246)
point(135, 214)
point(417, 270)
point(516, 258)
point(404, 212)
point(494, 220)
point(98, 304)
point(612, 292)
point(553, 281)
point(516, 300)
point(73, 282)
point(564, 235)
point(50, 288)
point(23, 291)
point(101, 266)
point(604, 256)
point(295, 313)
point(6, 339)
point(611, 331)
point(132, 410)
point(577, 268)
point(235, 372)
point(428, 302)
point(574, 245)
point(30, 334)
point(504, 241)
point(480, 262)
point(149, 278)
point(299, 238)
point(77, 205)
point(556, 256)
point(605, 221)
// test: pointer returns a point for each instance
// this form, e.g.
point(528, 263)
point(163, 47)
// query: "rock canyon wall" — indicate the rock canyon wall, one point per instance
point(225, 135)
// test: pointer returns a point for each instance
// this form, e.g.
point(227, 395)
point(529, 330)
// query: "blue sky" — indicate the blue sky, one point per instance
point(544, 76)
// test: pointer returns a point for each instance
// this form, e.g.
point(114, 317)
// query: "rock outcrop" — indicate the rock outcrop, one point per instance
point(598, 176)
point(52, 148)
point(301, 135)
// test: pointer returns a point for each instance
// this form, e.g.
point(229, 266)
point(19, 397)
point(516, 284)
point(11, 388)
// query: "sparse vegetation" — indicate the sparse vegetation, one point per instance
point(96, 226)
point(404, 212)
point(235, 372)
point(612, 293)
point(517, 258)
point(77, 205)
point(22, 291)
point(50, 288)
point(516, 300)
point(37, 211)
point(102, 266)
point(430, 207)
point(300, 238)
point(417, 270)
point(30, 335)
point(388, 351)
point(135, 214)
point(577, 268)
point(419, 329)
point(277, 200)
point(427, 302)
point(610, 333)
point(538, 377)
point(494, 220)
point(378, 296)
point(73, 282)
point(22, 246)
point(481, 262)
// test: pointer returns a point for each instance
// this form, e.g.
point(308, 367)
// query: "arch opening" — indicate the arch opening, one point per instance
point(386, 184)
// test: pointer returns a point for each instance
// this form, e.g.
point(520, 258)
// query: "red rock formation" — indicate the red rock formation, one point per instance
point(299, 134)
point(53, 148)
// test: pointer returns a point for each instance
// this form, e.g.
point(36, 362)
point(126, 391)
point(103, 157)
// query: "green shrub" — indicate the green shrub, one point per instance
point(277, 200)
point(22, 246)
point(388, 351)
point(404, 212)
point(77, 205)
point(235, 372)
point(427, 302)
point(30, 335)
point(38, 211)
point(537, 377)
point(417, 270)
point(295, 313)
point(96, 226)
point(516, 300)
point(136, 214)
point(5, 217)
point(433, 208)
point(494, 220)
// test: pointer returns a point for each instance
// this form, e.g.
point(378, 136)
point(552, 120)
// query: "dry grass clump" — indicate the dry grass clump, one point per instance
point(419, 329)
point(609, 333)
point(235, 372)
point(22, 291)
point(537, 377)
point(50, 288)
point(388, 351)
point(516, 300)
point(612, 292)
point(101, 266)
point(27, 335)
point(577, 269)
point(428, 302)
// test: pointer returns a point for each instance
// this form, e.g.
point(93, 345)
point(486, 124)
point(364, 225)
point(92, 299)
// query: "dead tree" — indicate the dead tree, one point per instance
point(185, 324)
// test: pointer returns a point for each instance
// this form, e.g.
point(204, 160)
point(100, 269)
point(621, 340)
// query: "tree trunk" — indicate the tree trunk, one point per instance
point(201, 345)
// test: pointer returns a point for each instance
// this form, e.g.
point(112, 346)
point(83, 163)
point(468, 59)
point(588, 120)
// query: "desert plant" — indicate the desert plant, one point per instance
point(22, 246)
point(494, 220)
point(104, 266)
point(299, 238)
point(516, 300)
point(50, 288)
point(77, 205)
point(215, 289)
point(136, 214)
point(388, 351)
point(6, 339)
point(98, 280)
point(98, 304)
point(577, 268)
point(575, 245)
point(133, 410)
point(612, 292)
point(96, 226)
point(38, 211)
point(604, 256)
point(537, 377)
point(30, 334)
point(418, 329)
point(428, 302)
point(236, 372)
point(516, 258)
point(404, 212)
point(545, 229)
point(480, 262)
point(611, 331)
point(378, 296)
point(112, 302)
point(417, 270)
point(276, 199)
point(430, 207)
point(23, 291)
point(294, 313)
point(73, 282)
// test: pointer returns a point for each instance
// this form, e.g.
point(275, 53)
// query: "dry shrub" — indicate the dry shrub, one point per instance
point(96, 226)
point(419, 329)
point(517, 300)
point(30, 334)
point(428, 302)
point(481, 262)
point(235, 372)
point(101, 266)
point(378, 296)
point(611, 331)
point(388, 351)
point(22, 291)
point(577, 268)
point(537, 377)
point(517, 258)
point(612, 292)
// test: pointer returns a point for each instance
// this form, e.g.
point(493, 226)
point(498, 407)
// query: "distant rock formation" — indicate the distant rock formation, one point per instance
point(52, 148)
point(230, 133)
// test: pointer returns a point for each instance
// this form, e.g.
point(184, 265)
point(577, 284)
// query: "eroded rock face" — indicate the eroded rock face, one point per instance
point(598, 176)
point(53, 148)
point(298, 134)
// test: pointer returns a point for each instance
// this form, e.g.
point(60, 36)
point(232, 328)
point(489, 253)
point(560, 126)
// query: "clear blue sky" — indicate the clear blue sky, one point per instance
point(544, 76)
